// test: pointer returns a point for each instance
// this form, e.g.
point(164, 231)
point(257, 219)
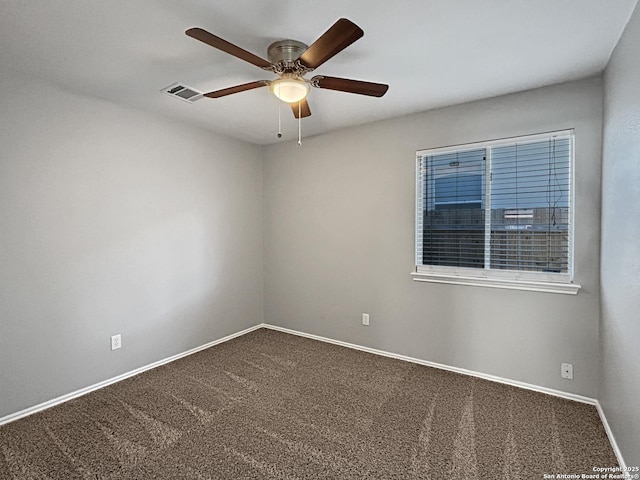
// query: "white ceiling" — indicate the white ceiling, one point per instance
point(432, 53)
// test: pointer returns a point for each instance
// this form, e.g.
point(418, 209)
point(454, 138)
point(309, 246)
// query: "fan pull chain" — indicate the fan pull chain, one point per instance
point(279, 121)
point(299, 123)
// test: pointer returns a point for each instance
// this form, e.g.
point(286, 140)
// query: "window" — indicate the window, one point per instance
point(497, 213)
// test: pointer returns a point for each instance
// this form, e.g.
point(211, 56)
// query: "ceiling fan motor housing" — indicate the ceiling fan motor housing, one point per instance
point(283, 55)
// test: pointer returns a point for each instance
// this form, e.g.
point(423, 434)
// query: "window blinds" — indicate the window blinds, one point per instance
point(504, 206)
point(453, 217)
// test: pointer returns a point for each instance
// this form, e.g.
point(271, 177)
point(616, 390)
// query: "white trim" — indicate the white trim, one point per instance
point(557, 393)
point(529, 285)
point(612, 440)
point(488, 277)
point(572, 210)
point(83, 391)
point(522, 139)
point(463, 371)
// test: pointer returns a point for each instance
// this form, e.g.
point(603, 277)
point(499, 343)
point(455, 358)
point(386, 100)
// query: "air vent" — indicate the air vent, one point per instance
point(181, 91)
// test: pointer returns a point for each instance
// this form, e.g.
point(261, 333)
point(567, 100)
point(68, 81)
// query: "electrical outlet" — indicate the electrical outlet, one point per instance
point(116, 341)
point(566, 371)
point(365, 319)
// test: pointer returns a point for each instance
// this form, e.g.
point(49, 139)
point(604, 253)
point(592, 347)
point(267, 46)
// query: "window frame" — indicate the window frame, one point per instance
point(487, 277)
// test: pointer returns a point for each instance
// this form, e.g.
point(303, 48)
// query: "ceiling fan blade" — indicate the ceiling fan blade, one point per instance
point(237, 89)
point(230, 48)
point(351, 86)
point(342, 34)
point(305, 111)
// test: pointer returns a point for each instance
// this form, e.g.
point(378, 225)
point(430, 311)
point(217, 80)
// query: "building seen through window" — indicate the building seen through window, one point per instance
point(500, 207)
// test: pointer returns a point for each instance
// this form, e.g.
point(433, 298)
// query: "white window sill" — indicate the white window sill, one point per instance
point(529, 285)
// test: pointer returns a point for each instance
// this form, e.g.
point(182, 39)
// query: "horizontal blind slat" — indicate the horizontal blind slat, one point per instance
point(528, 226)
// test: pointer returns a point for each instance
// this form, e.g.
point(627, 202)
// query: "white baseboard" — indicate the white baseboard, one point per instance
point(83, 391)
point(612, 439)
point(493, 378)
point(558, 393)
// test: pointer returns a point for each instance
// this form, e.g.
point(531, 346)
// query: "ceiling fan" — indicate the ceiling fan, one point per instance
point(291, 60)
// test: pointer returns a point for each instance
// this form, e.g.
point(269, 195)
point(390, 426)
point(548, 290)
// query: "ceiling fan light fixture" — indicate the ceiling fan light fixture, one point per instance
point(290, 90)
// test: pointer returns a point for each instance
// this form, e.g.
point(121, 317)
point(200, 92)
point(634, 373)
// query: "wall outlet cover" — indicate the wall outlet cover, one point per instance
point(566, 371)
point(116, 341)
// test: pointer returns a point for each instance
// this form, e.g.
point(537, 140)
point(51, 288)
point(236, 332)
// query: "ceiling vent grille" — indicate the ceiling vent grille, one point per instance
point(183, 92)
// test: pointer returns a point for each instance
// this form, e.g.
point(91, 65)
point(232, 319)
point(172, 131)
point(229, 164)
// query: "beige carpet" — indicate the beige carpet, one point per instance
point(271, 405)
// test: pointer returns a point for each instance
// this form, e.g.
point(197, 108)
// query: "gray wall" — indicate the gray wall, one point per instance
point(115, 221)
point(620, 256)
point(339, 241)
